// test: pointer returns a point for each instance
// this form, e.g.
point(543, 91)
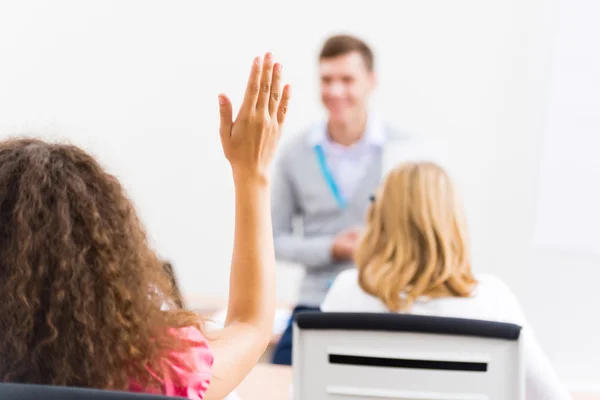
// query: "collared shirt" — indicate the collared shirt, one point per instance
point(349, 163)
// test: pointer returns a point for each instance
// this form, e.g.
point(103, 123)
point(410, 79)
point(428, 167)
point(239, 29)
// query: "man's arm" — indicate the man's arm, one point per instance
point(310, 252)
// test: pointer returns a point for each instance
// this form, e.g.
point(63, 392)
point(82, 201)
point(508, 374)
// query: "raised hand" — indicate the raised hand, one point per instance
point(249, 142)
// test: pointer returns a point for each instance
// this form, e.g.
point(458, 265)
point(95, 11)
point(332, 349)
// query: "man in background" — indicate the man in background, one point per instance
point(327, 175)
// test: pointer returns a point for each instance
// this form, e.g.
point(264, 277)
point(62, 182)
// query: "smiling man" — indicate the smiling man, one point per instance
point(326, 175)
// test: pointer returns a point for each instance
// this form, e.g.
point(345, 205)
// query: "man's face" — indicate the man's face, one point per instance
point(346, 85)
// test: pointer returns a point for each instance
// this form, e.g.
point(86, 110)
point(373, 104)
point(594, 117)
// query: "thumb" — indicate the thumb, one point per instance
point(226, 112)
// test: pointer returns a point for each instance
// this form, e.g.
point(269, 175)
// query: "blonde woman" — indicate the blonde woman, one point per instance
point(414, 258)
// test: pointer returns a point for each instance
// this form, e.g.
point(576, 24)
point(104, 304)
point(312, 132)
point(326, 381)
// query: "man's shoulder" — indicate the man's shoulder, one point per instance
point(394, 134)
point(402, 146)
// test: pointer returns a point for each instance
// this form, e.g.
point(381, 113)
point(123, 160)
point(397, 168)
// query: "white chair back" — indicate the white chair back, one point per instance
point(360, 356)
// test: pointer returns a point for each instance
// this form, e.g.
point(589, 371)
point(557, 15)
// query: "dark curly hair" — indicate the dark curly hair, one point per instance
point(82, 294)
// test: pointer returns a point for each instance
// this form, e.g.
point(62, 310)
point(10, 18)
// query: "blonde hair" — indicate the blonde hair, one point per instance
point(415, 243)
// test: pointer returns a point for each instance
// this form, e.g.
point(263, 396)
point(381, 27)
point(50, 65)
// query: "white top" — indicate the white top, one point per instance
point(492, 301)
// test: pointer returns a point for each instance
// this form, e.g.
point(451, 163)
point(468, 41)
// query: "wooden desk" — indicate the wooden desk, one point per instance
point(272, 382)
point(266, 382)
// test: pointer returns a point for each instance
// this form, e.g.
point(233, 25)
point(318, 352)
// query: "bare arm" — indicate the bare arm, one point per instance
point(249, 144)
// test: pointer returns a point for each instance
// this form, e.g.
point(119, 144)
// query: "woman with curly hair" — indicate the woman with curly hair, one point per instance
point(414, 257)
point(82, 293)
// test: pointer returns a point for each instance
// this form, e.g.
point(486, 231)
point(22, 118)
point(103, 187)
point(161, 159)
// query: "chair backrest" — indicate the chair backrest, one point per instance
point(399, 356)
point(18, 391)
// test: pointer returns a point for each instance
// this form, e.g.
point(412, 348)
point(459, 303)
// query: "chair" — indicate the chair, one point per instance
point(18, 391)
point(399, 356)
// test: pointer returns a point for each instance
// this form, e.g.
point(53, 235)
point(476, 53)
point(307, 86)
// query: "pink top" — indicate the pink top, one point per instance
point(178, 381)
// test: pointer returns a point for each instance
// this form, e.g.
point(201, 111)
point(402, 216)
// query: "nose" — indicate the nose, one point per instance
point(336, 89)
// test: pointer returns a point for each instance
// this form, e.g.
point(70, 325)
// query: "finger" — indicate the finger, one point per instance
point(265, 83)
point(226, 113)
point(253, 87)
point(283, 104)
point(275, 89)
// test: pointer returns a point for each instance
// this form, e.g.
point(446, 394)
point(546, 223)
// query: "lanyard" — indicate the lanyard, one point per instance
point(329, 177)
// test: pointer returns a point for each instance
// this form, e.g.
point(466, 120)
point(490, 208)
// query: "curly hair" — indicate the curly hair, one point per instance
point(82, 294)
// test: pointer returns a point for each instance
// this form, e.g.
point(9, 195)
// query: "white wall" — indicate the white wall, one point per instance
point(136, 82)
point(567, 213)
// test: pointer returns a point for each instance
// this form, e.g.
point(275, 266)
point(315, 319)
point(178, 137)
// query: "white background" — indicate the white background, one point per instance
point(136, 82)
point(569, 198)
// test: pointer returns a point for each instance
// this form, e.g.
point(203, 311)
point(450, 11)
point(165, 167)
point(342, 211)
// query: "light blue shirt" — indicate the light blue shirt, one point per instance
point(349, 163)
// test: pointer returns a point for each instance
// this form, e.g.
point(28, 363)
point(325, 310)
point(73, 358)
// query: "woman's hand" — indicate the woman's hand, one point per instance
point(249, 142)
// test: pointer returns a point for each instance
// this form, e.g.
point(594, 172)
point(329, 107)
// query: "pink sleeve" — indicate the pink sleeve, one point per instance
point(188, 374)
